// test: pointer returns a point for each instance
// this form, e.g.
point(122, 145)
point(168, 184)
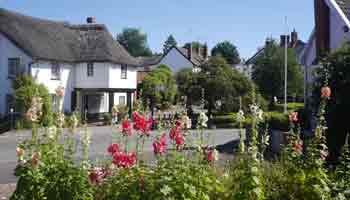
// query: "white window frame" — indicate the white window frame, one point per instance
point(55, 71)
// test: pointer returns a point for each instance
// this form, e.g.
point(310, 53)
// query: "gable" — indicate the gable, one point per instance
point(176, 60)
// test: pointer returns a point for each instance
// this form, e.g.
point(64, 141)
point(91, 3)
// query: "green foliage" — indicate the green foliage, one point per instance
point(25, 89)
point(228, 51)
point(159, 87)
point(268, 72)
point(123, 112)
point(134, 41)
point(335, 70)
point(107, 118)
point(169, 43)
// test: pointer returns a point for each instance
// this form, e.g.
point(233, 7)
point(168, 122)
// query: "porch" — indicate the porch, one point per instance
point(93, 103)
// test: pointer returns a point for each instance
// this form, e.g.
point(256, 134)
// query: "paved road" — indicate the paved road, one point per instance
point(101, 137)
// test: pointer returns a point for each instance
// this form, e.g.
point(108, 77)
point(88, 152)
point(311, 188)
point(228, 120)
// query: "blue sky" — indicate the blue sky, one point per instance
point(246, 23)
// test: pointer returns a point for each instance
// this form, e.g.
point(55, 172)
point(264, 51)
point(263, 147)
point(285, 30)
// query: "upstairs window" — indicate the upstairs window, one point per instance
point(124, 70)
point(122, 100)
point(90, 69)
point(13, 67)
point(55, 71)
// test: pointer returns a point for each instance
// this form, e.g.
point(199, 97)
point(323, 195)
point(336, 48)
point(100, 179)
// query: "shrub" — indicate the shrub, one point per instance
point(25, 89)
point(107, 118)
point(277, 120)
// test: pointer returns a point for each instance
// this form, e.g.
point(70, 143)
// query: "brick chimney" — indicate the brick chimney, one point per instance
point(322, 21)
point(205, 51)
point(90, 20)
point(189, 51)
point(283, 40)
point(294, 36)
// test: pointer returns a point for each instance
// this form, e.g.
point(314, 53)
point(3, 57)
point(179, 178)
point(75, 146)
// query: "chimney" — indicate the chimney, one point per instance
point(189, 51)
point(294, 36)
point(283, 40)
point(322, 21)
point(205, 51)
point(91, 20)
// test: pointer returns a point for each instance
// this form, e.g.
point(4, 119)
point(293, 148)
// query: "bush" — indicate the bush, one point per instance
point(290, 107)
point(107, 118)
point(25, 89)
point(277, 120)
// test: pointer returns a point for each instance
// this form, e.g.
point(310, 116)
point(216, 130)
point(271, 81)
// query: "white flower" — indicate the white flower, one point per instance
point(52, 131)
point(60, 120)
point(257, 112)
point(240, 116)
point(215, 155)
point(260, 114)
point(186, 121)
point(202, 120)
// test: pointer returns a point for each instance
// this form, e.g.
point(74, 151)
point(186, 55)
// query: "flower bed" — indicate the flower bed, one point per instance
point(49, 169)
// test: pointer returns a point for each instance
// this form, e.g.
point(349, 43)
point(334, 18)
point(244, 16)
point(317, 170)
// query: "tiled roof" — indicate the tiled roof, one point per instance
point(59, 41)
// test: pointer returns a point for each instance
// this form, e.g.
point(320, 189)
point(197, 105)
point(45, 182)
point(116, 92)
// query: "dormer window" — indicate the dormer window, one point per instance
point(90, 69)
point(124, 70)
point(55, 71)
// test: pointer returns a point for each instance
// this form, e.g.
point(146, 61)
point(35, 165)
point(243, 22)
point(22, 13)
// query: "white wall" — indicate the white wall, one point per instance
point(41, 71)
point(176, 61)
point(9, 50)
point(115, 80)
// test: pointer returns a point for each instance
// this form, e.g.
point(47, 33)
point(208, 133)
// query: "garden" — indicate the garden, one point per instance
point(53, 165)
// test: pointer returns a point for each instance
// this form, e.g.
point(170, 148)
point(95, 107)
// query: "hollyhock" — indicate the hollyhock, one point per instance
point(59, 91)
point(159, 146)
point(35, 159)
point(324, 154)
point(186, 122)
point(112, 149)
point(96, 176)
point(179, 140)
point(141, 124)
point(115, 111)
point(326, 92)
point(124, 160)
point(298, 147)
point(212, 155)
point(173, 132)
point(293, 117)
point(126, 128)
point(19, 153)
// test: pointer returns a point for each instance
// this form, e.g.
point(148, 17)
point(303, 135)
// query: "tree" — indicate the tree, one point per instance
point(25, 89)
point(228, 51)
point(335, 72)
point(219, 82)
point(134, 41)
point(268, 72)
point(159, 87)
point(169, 43)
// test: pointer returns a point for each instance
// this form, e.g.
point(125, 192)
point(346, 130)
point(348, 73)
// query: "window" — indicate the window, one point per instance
point(124, 70)
point(13, 67)
point(10, 103)
point(90, 69)
point(121, 100)
point(55, 71)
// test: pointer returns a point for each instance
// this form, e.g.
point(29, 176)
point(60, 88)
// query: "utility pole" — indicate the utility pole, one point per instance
point(285, 66)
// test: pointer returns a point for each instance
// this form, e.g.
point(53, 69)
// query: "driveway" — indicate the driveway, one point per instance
point(101, 137)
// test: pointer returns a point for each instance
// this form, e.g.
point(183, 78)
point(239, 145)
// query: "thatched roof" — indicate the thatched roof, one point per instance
point(60, 41)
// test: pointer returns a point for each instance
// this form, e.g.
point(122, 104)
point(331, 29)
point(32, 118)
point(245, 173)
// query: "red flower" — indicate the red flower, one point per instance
point(326, 92)
point(298, 147)
point(159, 146)
point(124, 160)
point(179, 139)
point(173, 132)
point(126, 127)
point(212, 155)
point(141, 124)
point(293, 117)
point(112, 149)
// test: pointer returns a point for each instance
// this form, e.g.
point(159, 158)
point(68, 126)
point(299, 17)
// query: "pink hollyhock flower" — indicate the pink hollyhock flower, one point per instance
point(112, 149)
point(212, 155)
point(59, 91)
point(293, 117)
point(159, 146)
point(324, 154)
point(326, 92)
point(298, 147)
point(126, 127)
point(96, 176)
point(35, 159)
point(19, 153)
point(124, 160)
point(173, 132)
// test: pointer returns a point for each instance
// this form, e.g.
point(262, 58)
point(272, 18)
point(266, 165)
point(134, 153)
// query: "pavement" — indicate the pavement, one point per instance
point(101, 137)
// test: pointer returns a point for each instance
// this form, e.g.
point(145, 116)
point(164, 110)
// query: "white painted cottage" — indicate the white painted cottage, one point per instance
point(95, 70)
point(332, 30)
